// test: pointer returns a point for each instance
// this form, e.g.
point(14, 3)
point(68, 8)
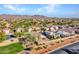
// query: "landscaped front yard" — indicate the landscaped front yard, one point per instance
point(11, 49)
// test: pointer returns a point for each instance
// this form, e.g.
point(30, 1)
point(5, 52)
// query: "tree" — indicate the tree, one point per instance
point(19, 34)
point(31, 38)
point(3, 24)
point(2, 36)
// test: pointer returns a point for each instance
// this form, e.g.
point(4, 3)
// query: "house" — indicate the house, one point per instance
point(46, 33)
point(54, 35)
point(47, 28)
point(76, 31)
point(6, 31)
point(42, 37)
point(53, 28)
point(69, 30)
point(65, 32)
point(10, 36)
point(51, 34)
point(23, 40)
point(7, 25)
point(18, 30)
point(37, 29)
point(30, 30)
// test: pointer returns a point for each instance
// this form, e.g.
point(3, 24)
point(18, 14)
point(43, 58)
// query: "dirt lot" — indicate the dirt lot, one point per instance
point(54, 44)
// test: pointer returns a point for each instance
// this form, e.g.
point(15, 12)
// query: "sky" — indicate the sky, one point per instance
point(50, 10)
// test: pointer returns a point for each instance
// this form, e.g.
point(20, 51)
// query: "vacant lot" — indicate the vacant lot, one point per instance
point(11, 49)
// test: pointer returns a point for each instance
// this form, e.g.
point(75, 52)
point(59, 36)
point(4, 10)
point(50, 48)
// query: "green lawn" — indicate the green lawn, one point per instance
point(11, 49)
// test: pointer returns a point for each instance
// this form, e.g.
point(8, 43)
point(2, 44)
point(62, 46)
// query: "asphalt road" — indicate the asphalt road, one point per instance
point(72, 49)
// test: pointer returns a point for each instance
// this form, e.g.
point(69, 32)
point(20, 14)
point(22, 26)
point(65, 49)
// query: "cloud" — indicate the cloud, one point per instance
point(43, 9)
point(74, 13)
point(48, 8)
point(14, 8)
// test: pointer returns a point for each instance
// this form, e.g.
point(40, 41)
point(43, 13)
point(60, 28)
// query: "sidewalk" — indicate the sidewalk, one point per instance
point(7, 42)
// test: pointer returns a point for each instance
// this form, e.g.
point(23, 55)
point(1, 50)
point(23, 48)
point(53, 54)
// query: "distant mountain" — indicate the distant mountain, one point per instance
point(4, 16)
point(37, 17)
